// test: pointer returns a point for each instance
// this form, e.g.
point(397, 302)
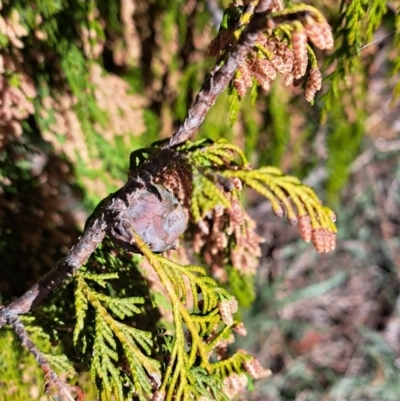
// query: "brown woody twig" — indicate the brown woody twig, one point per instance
point(50, 376)
point(75, 258)
point(220, 76)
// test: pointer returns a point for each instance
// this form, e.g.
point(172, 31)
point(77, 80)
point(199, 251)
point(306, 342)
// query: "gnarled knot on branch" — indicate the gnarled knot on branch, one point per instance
point(154, 214)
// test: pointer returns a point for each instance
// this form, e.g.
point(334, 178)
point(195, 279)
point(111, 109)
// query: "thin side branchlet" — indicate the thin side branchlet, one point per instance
point(67, 392)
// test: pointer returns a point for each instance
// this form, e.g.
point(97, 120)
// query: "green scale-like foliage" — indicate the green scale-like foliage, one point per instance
point(110, 336)
point(19, 374)
point(281, 190)
point(356, 25)
point(102, 336)
point(189, 372)
point(396, 66)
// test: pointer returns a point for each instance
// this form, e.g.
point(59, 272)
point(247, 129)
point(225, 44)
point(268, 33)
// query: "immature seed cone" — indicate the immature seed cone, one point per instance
point(227, 308)
point(238, 382)
point(320, 34)
point(299, 40)
point(304, 227)
point(267, 69)
point(278, 210)
point(255, 369)
point(237, 183)
point(323, 240)
point(292, 219)
point(314, 84)
point(262, 72)
point(278, 5)
point(158, 396)
point(283, 64)
point(289, 80)
point(240, 329)
point(234, 304)
point(235, 385)
point(222, 347)
point(242, 81)
point(236, 212)
point(299, 70)
point(225, 312)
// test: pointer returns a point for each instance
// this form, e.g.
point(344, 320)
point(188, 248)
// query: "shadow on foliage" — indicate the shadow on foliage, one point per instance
point(38, 215)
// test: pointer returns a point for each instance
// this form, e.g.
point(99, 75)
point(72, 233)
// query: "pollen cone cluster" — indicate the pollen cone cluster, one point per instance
point(227, 236)
point(278, 51)
point(279, 57)
point(323, 239)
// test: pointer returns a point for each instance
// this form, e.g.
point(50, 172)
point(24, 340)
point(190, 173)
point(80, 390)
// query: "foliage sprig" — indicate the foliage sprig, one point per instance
point(189, 372)
point(109, 334)
point(286, 194)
